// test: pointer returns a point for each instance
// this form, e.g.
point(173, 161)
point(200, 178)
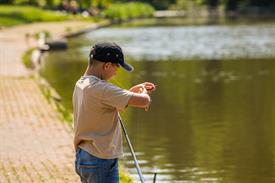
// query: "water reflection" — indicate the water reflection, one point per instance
point(220, 130)
point(189, 42)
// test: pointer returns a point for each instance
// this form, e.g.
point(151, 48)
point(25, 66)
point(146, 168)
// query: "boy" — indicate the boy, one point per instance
point(96, 102)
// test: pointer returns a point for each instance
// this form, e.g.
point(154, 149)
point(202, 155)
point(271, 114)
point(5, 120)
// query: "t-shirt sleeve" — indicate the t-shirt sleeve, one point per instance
point(116, 97)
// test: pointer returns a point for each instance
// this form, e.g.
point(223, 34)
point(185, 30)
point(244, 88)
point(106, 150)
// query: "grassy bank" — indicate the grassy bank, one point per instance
point(11, 15)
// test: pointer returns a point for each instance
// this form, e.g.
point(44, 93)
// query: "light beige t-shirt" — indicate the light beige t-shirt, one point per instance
point(96, 103)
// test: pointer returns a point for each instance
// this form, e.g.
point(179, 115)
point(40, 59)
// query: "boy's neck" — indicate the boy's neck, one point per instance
point(91, 71)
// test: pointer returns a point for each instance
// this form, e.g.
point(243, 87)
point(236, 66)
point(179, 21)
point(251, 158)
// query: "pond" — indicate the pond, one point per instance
point(213, 113)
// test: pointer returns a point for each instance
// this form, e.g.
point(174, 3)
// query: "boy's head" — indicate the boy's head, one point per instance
point(108, 52)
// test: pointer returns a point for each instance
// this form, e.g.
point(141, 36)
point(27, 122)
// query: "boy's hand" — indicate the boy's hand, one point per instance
point(137, 88)
point(146, 86)
point(150, 87)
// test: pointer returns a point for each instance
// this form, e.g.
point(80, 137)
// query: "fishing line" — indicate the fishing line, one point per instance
point(118, 83)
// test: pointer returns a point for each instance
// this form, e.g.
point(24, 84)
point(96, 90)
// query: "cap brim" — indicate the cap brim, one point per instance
point(127, 67)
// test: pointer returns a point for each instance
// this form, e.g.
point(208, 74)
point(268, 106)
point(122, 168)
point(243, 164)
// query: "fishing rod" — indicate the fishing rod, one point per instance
point(133, 153)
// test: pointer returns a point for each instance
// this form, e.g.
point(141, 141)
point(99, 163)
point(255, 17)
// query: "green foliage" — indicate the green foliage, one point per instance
point(261, 3)
point(41, 3)
point(11, 15)
point(6, 1)
point(27, 14)
point(65, 114)
point(123, 176)
point(231, 5)
point(186, 4)
point(160, 4)
point(85, 3)
point(46, 33)
point(127, 11)
point(212, 3)
point(157, 4)
point(9, 21)
point(265, 5)
point(101, 3)
point(26, 2)
point(26, 58)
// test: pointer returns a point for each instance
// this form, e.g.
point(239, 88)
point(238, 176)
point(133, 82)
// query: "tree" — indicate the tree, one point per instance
point(84, 4)
point(160, 4)
point(212, 3)
point(261, 3)
point(6, 1)
point(231, 5)
point(186, 4)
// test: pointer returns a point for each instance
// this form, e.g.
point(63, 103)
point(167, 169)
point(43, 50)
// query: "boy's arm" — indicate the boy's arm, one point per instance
point(141, 100)
point(141, 97)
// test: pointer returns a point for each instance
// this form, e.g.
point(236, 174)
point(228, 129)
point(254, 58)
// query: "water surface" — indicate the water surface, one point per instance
point(212, 116)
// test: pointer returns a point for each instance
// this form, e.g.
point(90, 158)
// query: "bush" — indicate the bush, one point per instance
point(128, 11)
point(27, 14)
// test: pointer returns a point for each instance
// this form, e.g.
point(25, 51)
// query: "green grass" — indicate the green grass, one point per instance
point(11, 15)
point(126, 11)
point(123, 176)
point(26, 58)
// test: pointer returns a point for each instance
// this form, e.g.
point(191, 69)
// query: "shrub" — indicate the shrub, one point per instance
point(128, 11)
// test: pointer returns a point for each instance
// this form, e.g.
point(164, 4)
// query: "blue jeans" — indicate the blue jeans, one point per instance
point(95, 170)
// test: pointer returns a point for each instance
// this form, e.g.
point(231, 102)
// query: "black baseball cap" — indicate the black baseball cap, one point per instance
point(109, 52)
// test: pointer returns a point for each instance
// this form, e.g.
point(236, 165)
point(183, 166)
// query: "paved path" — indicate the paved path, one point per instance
point(35, 145)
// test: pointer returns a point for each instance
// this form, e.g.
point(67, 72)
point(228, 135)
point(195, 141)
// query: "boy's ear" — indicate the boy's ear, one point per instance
point(106, 65)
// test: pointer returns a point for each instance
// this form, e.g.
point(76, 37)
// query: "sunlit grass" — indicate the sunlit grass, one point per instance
point(124, 176)
point(11, 15)
point(125, 11)
point(26, 58)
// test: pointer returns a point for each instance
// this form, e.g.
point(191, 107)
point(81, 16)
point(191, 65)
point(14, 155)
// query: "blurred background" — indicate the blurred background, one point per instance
point(213, 113)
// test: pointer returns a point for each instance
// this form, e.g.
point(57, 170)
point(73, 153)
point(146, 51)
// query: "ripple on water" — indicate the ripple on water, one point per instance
point(200, 42)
